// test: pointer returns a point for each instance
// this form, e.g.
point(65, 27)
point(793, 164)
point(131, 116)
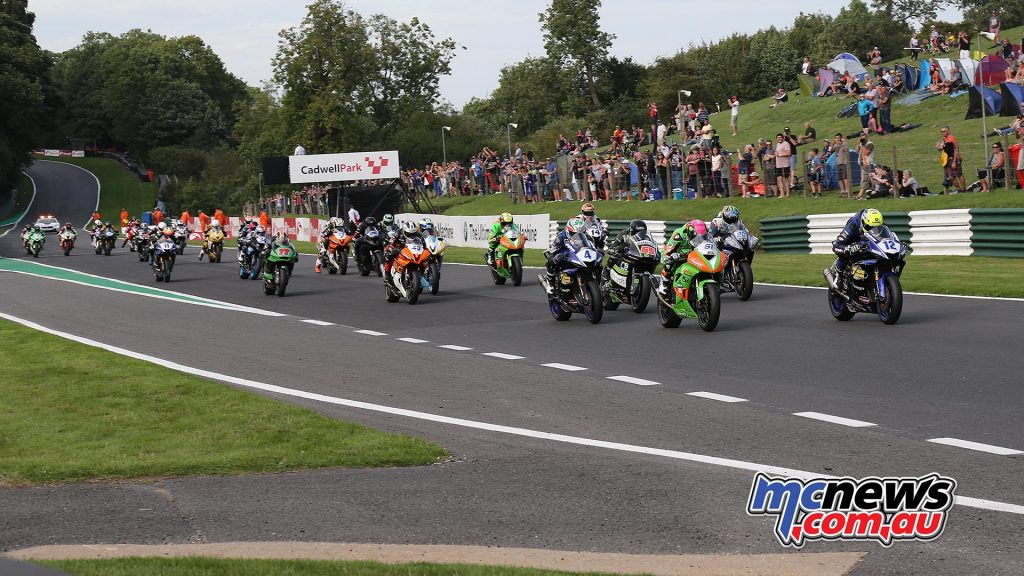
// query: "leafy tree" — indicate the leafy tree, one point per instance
point(23, 72)
point(529, 93)
point(910, 10)
point(573, 37)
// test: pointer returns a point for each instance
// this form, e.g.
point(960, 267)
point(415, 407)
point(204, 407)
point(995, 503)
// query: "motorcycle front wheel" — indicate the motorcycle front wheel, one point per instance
point(414, 287)
point(592, 307)
point(434, 272)
point(891, 307)
point(343, 262)
point(517, 270)
point(743, 280)
point(641, 296)
point(710, 308)
point(282, 273)
point(166, 267)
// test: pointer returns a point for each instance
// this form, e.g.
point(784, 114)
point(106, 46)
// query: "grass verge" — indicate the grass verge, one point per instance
point(119, 187)
point(72, 413)
point(191, 566)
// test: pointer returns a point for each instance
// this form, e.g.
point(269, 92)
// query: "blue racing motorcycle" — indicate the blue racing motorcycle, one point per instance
point(871, 283)
point(577, 288)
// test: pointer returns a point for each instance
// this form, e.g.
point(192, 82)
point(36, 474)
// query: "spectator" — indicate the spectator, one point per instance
point(933, 40)
point(866, 161)
point(995, 24)
point(909, 186)
point(718, 166)
point(915, 47)
point(793, 143)
point(884, 110)
point(864, 109)
point(881, 182)
point(874, 56)
point(810, 134)
point(814, 173)
point(662, 132)
point(746, 160)
point(783, 152)
point(734, 115)
point(997, 166)
point(752, 186)
point(951, 161)
point(779, 97)
point(964, 42)
point(805, 66)
point(692, 167)
point(264, 219)
point(299, 151)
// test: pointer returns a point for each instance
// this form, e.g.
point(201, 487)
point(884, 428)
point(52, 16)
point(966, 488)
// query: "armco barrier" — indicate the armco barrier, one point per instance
point(998, 232)
point(785, 235)
point(941, 232)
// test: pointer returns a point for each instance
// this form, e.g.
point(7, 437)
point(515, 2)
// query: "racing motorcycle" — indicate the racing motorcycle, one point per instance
point(369, 252)
point(36, 239)
point(130, 236)
point(335, 259)
point(259, 256)
point(249, 256)
point(163, 258)
point(213, 247)
point(143, 244)
point(406, 272)
point(67, 241)
point(432, 279)
point(577, 288)
point(106, 241)
point(695, 289)
point(871, 283)
point(181, 238)
point(508, 257)
point(627, 277)
point(278, 269)
point(738, 249)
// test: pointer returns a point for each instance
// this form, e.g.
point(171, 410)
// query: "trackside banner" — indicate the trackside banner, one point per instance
point(472, 231)
point(343, 167)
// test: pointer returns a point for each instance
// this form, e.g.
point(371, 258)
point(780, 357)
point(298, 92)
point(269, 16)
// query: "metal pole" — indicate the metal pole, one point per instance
point(984, 124)
point(508, 132)
point(444, 151)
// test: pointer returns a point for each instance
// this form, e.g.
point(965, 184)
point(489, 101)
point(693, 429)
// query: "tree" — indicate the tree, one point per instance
point(573, 37)
point(23, 72)
point(910, 10)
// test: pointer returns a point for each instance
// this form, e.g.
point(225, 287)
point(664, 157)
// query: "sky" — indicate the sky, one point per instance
point(244, 33)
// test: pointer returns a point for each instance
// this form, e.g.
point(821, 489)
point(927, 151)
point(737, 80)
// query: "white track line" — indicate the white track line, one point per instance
point(632, 380)
point(27, 208)
point(370, 333)
point(976, 446)
point(566, 367)
point(99, 187)
point(713, 396)
point(964, 296)
point(475, 424)
point(455, 347)
point(503, 356)
point(318, 322)
point(835, 419)
point(413, 340)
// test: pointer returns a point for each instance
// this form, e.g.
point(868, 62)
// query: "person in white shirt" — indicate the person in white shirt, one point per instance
point(299, 151)
point(734, 118)
point(353, 216)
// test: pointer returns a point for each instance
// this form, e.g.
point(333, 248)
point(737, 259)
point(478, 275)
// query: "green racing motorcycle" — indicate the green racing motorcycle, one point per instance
point(695, 289)
point(278, 269)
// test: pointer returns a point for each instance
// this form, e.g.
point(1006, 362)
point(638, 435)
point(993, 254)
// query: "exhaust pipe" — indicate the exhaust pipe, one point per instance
point(830, 277)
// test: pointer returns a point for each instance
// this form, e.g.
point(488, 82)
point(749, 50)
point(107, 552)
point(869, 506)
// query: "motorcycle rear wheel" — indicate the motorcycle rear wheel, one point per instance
point(390, 294)
point(499, 280)
point(434, 273)
point(836, 304)
point(667, 316)
point(559, 313)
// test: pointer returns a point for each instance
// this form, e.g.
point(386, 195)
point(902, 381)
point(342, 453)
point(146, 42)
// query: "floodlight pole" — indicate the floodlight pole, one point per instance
point(444, 150)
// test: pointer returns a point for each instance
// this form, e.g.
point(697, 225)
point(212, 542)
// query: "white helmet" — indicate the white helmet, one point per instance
point(178, 222)
point(98, 223)
point(161, 225)
point(336, 221)
point(409, 227)
point(261, 230)
point(215, 223)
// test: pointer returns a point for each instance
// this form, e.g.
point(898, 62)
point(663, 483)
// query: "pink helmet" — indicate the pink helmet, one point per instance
point(699, 227)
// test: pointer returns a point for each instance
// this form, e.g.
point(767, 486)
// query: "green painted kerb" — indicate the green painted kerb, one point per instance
point(14, 265)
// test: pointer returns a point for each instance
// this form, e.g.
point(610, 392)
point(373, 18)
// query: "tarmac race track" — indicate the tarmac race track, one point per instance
point(779, 383)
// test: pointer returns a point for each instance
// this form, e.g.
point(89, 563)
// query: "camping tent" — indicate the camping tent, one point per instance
point(993, 102)
point(825, 77)
point(968, 68)
point(1013, 97)
point(847, 62)
point(909, 75)
point(926, 75)
point(945, 68)
point(992, 70)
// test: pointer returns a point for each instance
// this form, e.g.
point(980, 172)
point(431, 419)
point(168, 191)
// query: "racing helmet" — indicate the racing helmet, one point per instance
point(168, 232)
point(261, 230)
point(409, 227)
point(505, 218)
point(695, 228)
point(587, 209)
point(215, 223)
point(730, 213)
point(282, 238)
point(336, 222)
point(98, 222)
point(67, 225)
point(426, 224)
point(575, 225)
point(152, 228)
point(870, 218)
point(387, 220)
point(636, 226)
point(370, 221)
point(161, 225)
point(107, 223)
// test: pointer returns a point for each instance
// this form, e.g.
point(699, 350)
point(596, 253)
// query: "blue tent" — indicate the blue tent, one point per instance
point(926, 75)
point(909, 75)
point(830, 182)
point(993, 102)
point(1013, 97)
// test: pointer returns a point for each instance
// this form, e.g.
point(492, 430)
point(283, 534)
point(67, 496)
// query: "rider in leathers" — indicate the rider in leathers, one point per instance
point(847, 245)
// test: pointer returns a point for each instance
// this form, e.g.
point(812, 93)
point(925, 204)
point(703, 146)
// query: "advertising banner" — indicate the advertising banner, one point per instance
point(472, 231)
point(343, 167)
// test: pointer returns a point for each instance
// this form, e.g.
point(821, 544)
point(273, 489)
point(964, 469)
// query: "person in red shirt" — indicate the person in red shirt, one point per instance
point(158, 216)
point(264, 219)
point(186, 218)
point(124, 217)
point(204, 221)
point(219, 215)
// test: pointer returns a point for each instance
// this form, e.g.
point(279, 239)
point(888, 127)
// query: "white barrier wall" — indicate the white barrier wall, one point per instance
point(823, 229)
point(472, 231)
point(941, 232)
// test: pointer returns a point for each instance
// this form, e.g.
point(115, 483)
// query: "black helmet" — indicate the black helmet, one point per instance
point(370, 221)
point(637, 226)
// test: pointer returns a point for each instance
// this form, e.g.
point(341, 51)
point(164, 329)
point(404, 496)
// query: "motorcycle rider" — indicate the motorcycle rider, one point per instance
point(556, 255)
point(280, 240)
point(387, 224)
point(166, 234)
point(498, 229)
point(848, 244)
point(398, 241)
point(132, 229)
point(427, 227)
point(34, 230)
point(94, 236)
point(321, 246)
point(214, 225)
point(24, 236)
point(726, 222)
point(682, 241)
point(365, 225)
point(69, 229)
point(589, 216)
